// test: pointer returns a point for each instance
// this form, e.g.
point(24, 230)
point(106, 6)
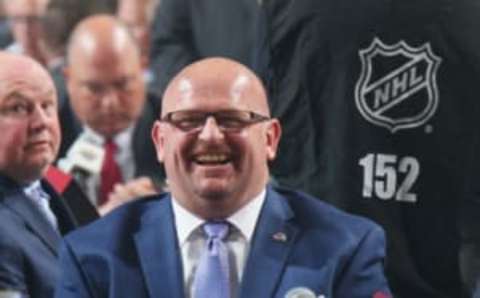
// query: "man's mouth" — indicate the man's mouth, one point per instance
point(212, 159)
point(38, 144)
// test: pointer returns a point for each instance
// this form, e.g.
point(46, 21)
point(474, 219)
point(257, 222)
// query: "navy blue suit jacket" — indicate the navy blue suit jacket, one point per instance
point(28, 242)
point(133, 252)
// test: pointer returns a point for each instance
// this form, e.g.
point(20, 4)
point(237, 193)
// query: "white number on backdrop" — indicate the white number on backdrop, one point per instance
point(380, 173)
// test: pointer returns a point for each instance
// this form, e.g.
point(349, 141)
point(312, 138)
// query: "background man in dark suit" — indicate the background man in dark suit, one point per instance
point(107, 102)
point(186, 31)
point(392, 88)
point(32, 216)
point(215, 139)
point(138, 16)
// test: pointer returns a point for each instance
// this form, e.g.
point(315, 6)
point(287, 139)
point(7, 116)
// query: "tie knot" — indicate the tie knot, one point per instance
point(216, 229)
point(110, 145)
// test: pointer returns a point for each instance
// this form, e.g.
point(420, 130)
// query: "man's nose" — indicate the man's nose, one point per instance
point(211, 130)
point(40, 117)
point(109, 98)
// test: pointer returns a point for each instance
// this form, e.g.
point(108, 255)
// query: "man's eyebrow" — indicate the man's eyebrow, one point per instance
point(128, 77)
point(15, 95)
point(48, 93)
point(89, 82)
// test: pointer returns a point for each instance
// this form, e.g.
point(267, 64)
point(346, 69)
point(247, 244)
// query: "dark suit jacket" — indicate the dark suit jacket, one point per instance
point(28, 243)
point(145, 157)
point(65, 185)
point(187, 30)
point(329, 117)
point(133, 252)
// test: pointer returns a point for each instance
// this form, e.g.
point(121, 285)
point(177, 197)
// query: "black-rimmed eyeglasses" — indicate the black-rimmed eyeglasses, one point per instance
point(227, 120)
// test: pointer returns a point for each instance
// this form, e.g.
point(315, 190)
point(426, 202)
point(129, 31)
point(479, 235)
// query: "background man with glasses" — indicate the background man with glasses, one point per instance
point(24, 17)
point(223, 231)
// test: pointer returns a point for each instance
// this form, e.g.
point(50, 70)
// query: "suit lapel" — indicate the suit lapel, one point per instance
point(35, 221)
point(273, 239)
point(158, 251)
point(144, 153)
point(66, 219)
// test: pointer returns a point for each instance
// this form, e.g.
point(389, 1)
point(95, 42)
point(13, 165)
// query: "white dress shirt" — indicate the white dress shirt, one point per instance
point(191, 239)
point(41, 199)
point(123, 156)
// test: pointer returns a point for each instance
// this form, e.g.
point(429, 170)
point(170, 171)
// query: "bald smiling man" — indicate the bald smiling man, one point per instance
point(222, 231)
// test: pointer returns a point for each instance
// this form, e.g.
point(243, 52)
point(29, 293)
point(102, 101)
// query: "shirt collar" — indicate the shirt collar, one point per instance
point(33, 189)
point(246, 218)
point(121, 139)
point(185, 221)
point(243, 219)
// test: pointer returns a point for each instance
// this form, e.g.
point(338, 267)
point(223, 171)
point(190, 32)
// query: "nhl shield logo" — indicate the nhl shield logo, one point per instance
point(397, 88)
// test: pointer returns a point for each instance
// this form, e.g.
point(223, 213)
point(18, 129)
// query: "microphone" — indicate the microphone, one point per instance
point(84, 158)
point(11, 294)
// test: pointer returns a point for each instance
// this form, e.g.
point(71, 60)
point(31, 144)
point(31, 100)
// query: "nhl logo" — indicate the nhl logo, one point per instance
point(397, 87)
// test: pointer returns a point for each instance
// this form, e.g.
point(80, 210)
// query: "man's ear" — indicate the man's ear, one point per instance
point(158, 138)
point(274, 132)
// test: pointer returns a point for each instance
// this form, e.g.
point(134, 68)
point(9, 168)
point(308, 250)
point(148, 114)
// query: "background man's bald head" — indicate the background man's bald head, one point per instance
point(216, 74)
point(104, 75)
point(100, 33)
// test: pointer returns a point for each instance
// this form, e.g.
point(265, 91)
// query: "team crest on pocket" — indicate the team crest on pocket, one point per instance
point(397, 88)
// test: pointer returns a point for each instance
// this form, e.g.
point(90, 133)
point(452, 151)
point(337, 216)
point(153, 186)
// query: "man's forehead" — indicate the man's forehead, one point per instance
point(237, 90)
point(16, 70)
point(207, 84)
point(33, 79)
point(20, 72)
point(25, 90)
point(213, 81)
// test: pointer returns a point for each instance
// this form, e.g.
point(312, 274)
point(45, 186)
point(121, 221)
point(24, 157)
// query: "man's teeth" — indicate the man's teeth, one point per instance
point(212, 158)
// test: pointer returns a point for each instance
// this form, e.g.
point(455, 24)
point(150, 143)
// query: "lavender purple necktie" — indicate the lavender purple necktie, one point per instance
point(212, 277)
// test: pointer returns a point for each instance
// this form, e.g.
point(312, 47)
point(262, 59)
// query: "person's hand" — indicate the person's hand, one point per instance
point(126, 192)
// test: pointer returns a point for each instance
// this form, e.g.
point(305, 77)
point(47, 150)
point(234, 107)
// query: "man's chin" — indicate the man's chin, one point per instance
point(110, 130)
point(31, 174)
point(40, 165)
point(214, 191)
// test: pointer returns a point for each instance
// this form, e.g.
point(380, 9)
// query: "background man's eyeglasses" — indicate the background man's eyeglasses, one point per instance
point(227, 121)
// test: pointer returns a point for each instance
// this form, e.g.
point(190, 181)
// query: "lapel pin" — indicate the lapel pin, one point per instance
point(380, 294)
point(280, 236)
point(301, 292)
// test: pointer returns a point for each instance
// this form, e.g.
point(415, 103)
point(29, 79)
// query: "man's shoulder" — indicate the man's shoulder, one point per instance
point(13, 224)
point(10, 221)
point(121, 223)
point(11, 200)
point(316, 214)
